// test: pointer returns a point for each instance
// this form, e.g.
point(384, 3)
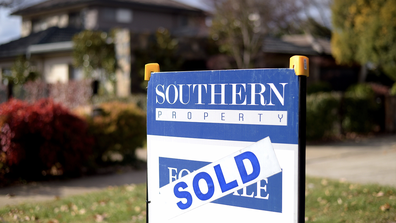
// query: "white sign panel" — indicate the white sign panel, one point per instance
point(207, 134)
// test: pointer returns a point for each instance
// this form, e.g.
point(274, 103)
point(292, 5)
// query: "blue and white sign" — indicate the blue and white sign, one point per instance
point(242, 168)
point(222, 146)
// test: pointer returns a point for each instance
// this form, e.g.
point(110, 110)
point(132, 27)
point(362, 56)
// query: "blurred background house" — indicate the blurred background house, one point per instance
point(48, 28)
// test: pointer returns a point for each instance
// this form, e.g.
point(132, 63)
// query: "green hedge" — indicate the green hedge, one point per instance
point(118, 131)
point(318, 87)
point(139, 99)
point(330, 114)
point(322, 110)
point(358, 109)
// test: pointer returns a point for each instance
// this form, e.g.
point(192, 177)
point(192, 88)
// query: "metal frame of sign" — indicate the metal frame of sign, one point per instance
point(178, 162)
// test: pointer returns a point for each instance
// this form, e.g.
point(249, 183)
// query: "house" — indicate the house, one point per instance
point(276, 53)
point(322, 66)
point(48, 27)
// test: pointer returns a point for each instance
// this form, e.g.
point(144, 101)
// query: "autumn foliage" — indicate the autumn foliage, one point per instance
point(41, 138)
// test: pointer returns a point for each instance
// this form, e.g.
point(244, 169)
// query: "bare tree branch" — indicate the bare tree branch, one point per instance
point(240, 26)
point(11, 3)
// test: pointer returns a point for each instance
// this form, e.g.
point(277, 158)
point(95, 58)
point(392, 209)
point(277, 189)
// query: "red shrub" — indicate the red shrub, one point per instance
point(40, 136)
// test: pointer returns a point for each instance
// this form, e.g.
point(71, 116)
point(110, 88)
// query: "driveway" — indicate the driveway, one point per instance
point(371, 160)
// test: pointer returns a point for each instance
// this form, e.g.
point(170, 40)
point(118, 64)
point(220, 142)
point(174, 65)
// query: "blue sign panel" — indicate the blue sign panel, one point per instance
point(197, 94)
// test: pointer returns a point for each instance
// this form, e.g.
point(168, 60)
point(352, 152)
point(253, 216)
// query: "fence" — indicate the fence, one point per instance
point(390, 113)
point(71, 94)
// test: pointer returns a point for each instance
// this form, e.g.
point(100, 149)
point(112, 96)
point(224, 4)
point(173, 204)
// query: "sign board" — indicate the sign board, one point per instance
point(222, 146)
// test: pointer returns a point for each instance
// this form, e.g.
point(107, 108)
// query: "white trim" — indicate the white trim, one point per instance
point(50, 47)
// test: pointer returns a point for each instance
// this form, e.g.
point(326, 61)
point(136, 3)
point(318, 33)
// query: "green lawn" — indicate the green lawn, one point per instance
point(326, 201)
point(335, 201)
point(115, 204)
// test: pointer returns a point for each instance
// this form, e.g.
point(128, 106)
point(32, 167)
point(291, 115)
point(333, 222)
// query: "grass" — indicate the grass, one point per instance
point(326, 201)
point(338, 201)
point(115, 204)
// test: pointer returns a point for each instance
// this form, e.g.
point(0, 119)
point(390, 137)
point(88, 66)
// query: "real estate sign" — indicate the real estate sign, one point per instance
point(223, 146)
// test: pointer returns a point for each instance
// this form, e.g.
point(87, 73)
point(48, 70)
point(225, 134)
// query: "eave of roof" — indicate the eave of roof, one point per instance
point(320, 45)
point(50, 47)
point(298, 44)
point(59, 5)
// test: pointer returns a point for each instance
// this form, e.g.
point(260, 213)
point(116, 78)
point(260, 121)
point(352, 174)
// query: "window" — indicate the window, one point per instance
point(75, 73)
point(117, 15)
point(6, 72)
point(75, 19)
point(124, 15)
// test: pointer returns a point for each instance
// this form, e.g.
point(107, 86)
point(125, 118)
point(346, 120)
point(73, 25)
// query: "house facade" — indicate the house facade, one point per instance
point(48, 27)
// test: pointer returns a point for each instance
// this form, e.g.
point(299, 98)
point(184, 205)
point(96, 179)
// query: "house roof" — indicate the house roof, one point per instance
point(62, 4)
point(48, 36)
point(297, 44)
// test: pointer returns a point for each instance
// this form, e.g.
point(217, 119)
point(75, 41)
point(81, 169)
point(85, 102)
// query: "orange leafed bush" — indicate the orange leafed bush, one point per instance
point(120, 129)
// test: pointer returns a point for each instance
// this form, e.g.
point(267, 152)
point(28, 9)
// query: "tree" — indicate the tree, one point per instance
point(318, 10)
point(21, 72)
point(364, 31)
point(94, 52)
point(316, 29)
point(18, 4)
point(11, 3)
point(240, 26)
point(160, 48)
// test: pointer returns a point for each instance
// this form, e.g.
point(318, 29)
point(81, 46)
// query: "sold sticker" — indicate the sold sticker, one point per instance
point(218, 179)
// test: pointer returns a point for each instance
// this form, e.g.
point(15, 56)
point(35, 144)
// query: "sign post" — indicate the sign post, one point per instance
point(227, 145)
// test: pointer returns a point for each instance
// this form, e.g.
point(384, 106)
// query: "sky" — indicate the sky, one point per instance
point(10, 26)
